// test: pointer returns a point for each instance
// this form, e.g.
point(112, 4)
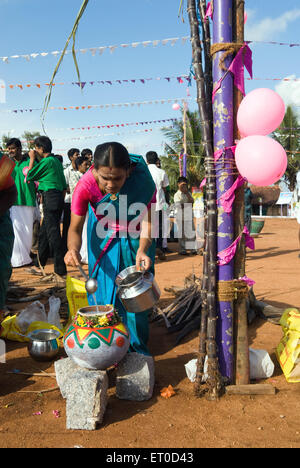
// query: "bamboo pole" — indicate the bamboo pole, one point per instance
point(223, 138)
point(209, 308)
point(207, 59)
point(184, 157)
point(242, 364)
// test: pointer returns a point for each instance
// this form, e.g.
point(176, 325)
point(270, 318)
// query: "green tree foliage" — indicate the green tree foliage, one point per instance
point(288, 135)
point(5, 139)
point(174, 147)
point(29, 137)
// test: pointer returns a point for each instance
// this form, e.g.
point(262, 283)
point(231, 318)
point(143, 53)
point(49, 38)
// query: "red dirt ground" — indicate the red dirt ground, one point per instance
point(182, 421)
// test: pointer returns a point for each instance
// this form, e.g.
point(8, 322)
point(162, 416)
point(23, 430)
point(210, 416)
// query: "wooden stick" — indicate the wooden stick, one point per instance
point(241, 345)
point(250, 389)
point(38, 391)
point(31, 374)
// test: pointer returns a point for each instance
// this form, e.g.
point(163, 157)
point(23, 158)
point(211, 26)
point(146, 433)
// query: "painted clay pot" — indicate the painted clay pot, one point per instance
point(97, 339)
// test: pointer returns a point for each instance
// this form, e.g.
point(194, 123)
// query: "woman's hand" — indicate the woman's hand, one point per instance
point(142, 261)
point(73, 258)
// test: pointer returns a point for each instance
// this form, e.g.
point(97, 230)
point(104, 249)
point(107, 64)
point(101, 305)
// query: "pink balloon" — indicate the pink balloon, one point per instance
point(260, 159)
point(176, 106)
point(260, 112)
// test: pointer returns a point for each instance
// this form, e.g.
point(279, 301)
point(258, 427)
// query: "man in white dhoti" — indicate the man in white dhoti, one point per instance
point(183, 201)
point(22, 213)
point(297, 204)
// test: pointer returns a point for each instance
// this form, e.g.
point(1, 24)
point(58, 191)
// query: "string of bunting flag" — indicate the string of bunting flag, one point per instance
point(90, 137)
point(180, 79)
point(103, 106)
point(111, 48)
point(100, 49)
point(117, 126)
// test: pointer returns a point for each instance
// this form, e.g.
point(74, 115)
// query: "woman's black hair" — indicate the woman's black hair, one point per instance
point(79, 161)
point(111, 154)
point(59, 157)
point(43, 142)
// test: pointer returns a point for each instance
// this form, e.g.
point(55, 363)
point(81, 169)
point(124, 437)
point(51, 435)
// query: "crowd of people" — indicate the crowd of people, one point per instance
point(57, 209)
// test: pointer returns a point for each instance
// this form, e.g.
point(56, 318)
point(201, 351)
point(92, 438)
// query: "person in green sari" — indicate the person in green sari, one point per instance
point(8, 195)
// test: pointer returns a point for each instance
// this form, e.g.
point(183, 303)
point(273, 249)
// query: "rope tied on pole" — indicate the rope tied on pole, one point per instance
point(232, 290)
point(229, 48)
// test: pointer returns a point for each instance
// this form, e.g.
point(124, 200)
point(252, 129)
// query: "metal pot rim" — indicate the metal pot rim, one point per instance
point(91, 311)
point(55, 335)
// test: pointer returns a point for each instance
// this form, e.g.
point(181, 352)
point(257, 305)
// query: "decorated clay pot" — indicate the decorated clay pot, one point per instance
point(97, 338)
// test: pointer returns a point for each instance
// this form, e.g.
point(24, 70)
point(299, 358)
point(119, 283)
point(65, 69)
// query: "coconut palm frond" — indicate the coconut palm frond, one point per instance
point(288, 135)
point(72, 35)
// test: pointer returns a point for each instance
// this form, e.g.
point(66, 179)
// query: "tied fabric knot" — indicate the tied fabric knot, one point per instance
point(247, 280)
point(227, 199)
point(220, 152)
point(242, 58)
point(226, 255)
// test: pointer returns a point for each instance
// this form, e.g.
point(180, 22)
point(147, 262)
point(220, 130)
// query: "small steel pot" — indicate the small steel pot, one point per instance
point(43, 344)
point(137, 290)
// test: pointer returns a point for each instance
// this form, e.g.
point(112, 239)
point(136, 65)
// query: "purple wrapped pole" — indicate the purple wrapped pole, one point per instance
point(184, 165)
point(223, 138)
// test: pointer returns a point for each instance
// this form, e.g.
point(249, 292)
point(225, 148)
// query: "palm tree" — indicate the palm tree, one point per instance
point(30, 137)
point(174, 147)
point(5, 139)
point(288, 135)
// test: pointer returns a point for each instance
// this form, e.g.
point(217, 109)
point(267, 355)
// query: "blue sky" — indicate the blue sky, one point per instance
point(32, 26)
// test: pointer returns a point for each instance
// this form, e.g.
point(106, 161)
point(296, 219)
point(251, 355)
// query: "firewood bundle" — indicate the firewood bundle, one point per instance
point(184, 313)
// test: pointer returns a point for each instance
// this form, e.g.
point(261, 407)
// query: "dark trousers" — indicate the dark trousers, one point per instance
point(50, 240)
point(66, 225)
point(159, 240)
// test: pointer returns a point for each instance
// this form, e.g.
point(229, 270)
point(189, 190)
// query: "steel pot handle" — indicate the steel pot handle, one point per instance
point(142, 265)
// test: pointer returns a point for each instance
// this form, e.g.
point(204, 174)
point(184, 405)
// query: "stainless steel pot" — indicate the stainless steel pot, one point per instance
point(43, 345)
point(137, 290)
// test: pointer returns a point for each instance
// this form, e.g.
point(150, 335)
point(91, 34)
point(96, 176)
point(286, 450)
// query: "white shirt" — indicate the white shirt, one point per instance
point(67, 173)
point(298, 183)
point(161, 181)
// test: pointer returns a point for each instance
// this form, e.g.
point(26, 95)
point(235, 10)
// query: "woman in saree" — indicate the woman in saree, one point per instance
point(8, 195)
point(118, 190)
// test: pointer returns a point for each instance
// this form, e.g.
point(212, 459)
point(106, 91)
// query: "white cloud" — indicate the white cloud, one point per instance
point(265, 29)
point(289, 91)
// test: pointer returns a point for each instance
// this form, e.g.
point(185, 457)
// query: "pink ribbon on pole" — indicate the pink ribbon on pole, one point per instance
point(242, 58)
point(226, 255)
point(247, 280)
point(209, 12)
point(203, 183)
point(218, 153)
point(228, 197)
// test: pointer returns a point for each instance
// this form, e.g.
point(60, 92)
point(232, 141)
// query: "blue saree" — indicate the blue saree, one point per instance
point(113, 247)
point(6, 246)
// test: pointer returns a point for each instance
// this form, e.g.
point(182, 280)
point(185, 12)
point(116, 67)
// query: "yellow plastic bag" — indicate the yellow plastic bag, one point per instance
point(76, 295)
point(288, 350)
point(11, 331)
